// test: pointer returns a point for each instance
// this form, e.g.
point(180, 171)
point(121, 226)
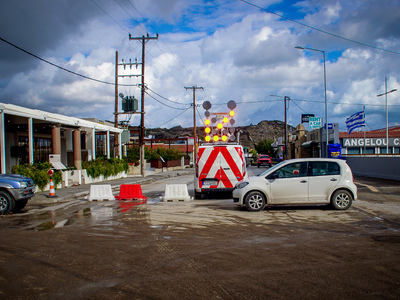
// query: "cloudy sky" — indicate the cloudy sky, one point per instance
point(235, 50)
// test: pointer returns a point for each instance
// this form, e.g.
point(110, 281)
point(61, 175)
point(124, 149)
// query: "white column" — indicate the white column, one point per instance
point(94, 143)
point(2, 143)
point(120, 144)
point(108, 143)
point(30, 140)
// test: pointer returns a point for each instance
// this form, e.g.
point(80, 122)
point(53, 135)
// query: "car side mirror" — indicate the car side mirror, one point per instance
point(273, 176)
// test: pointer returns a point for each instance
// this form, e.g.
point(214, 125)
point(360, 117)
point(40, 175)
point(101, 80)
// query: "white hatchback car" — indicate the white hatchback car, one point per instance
point(299, 181)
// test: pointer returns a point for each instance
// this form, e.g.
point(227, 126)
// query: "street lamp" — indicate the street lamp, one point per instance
point(326, 103)
point(387, 115)
point(286, 98)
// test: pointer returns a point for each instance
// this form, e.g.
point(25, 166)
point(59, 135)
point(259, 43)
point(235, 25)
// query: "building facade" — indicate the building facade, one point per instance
point(30, 135)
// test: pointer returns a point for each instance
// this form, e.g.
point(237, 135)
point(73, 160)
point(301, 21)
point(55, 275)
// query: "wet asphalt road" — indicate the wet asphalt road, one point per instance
point(70, 248)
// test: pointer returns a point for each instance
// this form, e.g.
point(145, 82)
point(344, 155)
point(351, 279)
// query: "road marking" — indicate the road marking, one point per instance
point(370, 187)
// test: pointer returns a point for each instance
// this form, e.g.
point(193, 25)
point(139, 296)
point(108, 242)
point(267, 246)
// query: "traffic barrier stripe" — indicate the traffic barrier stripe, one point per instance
point(130, 192)
point(176, 192)
point(101, 192)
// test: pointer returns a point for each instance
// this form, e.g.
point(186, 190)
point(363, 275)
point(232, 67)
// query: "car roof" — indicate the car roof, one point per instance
point(316, 159)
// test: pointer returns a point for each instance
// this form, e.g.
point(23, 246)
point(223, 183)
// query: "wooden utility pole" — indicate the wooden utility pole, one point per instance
point(194, 88)
point(143, 39)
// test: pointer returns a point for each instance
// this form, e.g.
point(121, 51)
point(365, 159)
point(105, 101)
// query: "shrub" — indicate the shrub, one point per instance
point(153, 154)
point(106, 167)
point(38, 173)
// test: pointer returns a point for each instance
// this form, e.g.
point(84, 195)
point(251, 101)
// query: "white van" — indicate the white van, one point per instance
point(218, 168)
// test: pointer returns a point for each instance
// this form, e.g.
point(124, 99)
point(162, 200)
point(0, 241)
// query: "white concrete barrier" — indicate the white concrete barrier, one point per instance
point(176, 192)
point(101, 192)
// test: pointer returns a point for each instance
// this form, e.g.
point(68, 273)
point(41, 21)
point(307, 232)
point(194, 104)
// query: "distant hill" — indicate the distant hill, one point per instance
point(263, 130)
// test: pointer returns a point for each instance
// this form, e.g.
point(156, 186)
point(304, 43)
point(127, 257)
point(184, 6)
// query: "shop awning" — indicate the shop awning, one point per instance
point(308, 144)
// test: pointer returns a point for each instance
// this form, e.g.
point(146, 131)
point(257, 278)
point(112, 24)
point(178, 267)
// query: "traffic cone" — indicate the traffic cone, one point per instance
point(52, 193)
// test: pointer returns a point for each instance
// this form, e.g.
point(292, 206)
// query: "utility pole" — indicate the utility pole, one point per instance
point(116, 113)
point(194, 88)
point(143, 39)
point(286, 137)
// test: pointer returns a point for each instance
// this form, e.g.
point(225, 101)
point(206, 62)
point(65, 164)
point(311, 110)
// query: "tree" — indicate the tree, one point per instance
point(264, 147)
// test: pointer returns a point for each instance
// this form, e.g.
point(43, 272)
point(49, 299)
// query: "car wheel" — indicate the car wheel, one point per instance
point(6, 203)
point(341, 200)
point(20, 205)
point(255, 201)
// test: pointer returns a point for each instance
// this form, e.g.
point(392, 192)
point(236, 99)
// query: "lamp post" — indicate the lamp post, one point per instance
point(285, 98)
point(326, 103)
point(387, 114)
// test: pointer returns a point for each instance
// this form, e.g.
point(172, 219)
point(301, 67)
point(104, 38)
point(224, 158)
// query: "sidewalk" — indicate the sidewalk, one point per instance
point(81, 191)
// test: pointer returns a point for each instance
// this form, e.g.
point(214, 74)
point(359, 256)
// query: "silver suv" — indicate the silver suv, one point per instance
point(15, 191)
point(299, 181)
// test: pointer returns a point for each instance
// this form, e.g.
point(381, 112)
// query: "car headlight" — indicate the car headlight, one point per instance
point(241, 185)
point(23, 184)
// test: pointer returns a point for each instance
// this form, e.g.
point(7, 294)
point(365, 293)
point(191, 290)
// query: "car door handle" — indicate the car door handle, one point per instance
point(333, 179)
point(303, 181)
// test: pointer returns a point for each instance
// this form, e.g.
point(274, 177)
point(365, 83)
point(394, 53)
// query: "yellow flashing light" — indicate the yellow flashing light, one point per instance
point(224, 138)
point(232, 113)
point(226, 120)
point(207, 130)
point(207, 138)
point(220, 126)
point(216, 138)
point(207, 122)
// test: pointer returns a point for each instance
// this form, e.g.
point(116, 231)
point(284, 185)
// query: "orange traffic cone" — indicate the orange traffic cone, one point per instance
point(52, 193)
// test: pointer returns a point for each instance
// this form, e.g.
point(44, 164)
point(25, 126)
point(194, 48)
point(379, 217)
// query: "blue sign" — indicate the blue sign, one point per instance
point(315, 122)
point(334, 150)
point(330, 126)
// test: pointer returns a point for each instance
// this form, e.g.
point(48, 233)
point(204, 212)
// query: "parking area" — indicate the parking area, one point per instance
point(204, 249)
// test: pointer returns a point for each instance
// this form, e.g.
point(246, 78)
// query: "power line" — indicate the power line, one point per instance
point(110, 16)
point(320, 30)
point(166, 98)
point(61, 68)
point(174, 117)
point(164, 103)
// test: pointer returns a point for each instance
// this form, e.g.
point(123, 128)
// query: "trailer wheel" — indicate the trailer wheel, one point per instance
point(198, 195)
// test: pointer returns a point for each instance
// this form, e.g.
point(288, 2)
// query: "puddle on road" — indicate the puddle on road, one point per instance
point(100, 213)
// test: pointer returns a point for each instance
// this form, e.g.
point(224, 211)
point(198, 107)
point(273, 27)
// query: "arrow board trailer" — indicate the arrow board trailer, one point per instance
point(218, 168)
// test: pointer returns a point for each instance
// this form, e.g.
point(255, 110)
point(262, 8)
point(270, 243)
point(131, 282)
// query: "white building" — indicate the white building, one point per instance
point(29, 135)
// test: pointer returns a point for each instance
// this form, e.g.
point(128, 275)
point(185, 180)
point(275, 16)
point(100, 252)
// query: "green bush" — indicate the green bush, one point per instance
point(106, 167)
point(38, 173)
point(133, 154)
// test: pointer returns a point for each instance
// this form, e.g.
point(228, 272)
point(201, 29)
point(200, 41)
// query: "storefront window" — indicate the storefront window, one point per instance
point(353, 150)
point(383, 150)
point(42, 148)
point(370, 150)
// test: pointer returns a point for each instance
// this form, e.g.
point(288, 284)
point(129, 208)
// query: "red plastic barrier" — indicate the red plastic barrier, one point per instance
point(131, 192)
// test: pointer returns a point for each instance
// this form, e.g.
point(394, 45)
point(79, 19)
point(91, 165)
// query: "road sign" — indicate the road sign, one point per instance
point(315, 122)
point(305, 118)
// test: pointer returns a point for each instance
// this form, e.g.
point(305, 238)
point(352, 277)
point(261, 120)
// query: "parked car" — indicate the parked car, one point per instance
point(264, 160)
point(15, 191)
point(299, 181)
